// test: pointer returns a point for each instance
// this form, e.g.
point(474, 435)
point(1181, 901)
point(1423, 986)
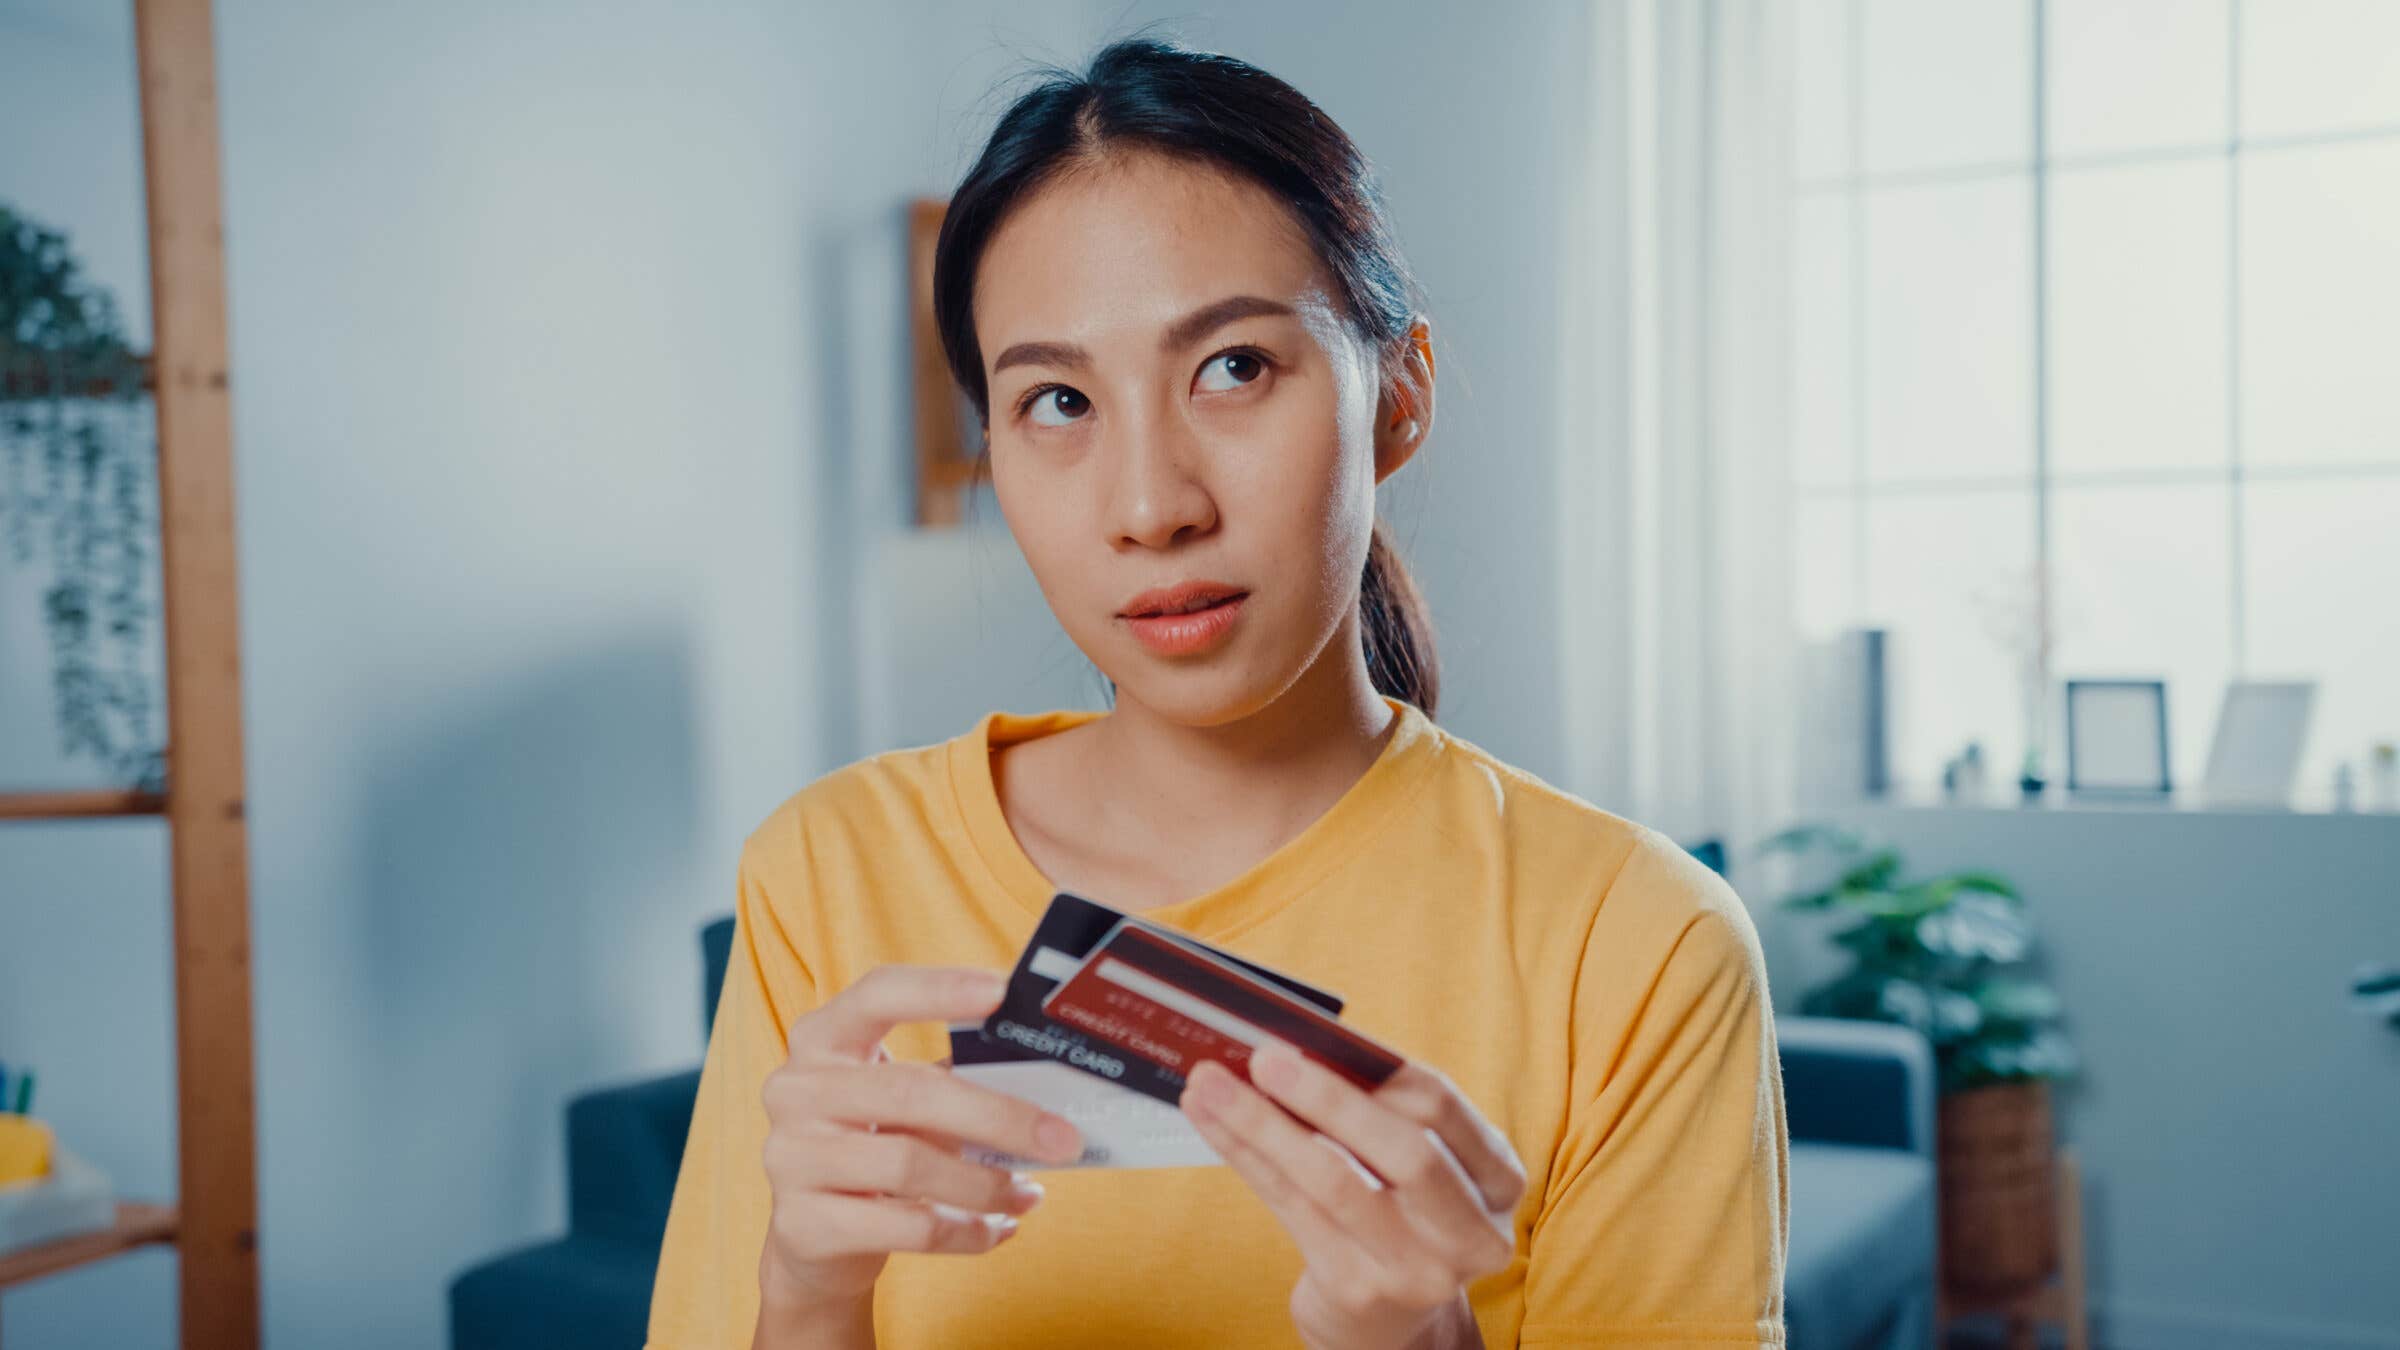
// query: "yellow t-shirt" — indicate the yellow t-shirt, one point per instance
point(1597, 992)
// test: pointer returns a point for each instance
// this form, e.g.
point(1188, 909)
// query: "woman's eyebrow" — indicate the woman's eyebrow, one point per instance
point(1182, 333)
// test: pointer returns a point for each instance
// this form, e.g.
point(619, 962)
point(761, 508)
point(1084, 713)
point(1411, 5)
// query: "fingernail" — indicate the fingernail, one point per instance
point(1058, 1139)
point(1003, 1227)
point(1024, 1193)
point(1274, 1066)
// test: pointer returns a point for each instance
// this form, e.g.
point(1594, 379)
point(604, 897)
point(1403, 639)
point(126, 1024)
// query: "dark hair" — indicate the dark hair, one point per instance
point(1146, 94)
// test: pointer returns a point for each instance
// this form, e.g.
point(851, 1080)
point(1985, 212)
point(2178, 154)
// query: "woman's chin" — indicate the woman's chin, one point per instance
point(1204, 695)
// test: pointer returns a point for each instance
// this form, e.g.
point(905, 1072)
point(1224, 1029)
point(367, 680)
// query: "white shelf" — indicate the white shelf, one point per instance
point(2057, 801)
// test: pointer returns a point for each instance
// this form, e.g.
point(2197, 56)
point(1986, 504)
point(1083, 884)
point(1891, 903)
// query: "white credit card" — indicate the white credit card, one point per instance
point(1120, 1127)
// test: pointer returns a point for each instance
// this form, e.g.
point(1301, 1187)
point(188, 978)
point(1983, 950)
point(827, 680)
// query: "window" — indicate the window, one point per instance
point(2097, 317)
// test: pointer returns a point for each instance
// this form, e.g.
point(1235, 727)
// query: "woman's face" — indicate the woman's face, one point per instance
point(1175, 400)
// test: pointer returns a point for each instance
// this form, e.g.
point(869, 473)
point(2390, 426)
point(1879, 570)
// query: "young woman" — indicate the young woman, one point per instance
point(1170, 288)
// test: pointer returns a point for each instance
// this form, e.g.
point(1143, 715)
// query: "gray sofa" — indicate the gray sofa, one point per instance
point(1860, 1271)
point(1859, 1097)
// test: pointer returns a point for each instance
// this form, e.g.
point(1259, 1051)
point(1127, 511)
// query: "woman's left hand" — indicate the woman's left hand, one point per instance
point(1391, 1239)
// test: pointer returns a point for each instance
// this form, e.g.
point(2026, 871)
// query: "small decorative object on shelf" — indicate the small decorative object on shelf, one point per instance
point(1847, 750)
point(69, 1198)
point(2383, 777)
point(1963, 778)
point(24, 1150)
point(2016, 611)
point(1942, 955)
point(2030, 783)
point(46, 1193)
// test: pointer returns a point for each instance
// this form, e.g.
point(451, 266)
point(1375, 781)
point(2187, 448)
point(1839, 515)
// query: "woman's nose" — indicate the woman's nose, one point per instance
point(1158, 496)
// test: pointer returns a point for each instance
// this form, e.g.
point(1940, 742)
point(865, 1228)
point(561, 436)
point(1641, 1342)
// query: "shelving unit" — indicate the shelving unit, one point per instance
point(214, 1225)
point(136, 1226)
point(80, 805)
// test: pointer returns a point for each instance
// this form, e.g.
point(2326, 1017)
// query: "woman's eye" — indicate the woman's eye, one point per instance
point(1241, 367)
point(1063, 404)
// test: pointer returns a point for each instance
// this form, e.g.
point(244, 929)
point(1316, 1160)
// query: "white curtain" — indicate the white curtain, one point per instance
point(1674, 510)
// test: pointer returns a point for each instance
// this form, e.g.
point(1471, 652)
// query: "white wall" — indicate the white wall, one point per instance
point(2236, 1120)
point(568, 386)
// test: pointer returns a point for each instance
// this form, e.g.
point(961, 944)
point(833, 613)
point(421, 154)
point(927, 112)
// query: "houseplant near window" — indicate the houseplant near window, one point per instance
point(1944, 955)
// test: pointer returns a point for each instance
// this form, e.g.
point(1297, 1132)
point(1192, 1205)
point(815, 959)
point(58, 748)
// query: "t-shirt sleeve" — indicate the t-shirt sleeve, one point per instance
point(1666, 1214)
point(706, 1294)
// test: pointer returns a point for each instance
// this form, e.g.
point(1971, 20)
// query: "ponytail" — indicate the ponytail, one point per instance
point(1397, 627)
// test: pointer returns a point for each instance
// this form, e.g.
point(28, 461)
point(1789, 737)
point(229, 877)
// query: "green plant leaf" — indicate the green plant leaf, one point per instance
point(2024, 1003)
point(1857, 996)
point(1803, 837)
point(1887, 947)
point(1875, 874)
point(1990, 883)
point(1976, 928)
point(1904, 903)
point(1952, 1017)
point(77, 497)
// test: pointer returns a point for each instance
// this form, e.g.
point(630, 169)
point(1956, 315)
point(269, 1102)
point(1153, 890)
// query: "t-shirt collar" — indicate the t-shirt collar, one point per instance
point(1273, 882)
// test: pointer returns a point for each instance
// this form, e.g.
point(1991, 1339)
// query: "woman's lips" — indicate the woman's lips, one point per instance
point(1189, 634)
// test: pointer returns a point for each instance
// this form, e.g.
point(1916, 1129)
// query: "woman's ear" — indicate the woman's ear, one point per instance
point(1404, 412)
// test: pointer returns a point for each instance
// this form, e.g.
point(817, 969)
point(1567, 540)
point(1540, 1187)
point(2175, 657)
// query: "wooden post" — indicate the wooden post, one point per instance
point(216, 1162)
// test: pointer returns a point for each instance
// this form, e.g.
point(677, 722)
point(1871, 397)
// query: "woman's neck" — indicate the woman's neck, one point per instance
point(1145, 810)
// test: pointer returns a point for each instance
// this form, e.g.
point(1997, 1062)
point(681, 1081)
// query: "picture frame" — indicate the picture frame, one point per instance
point(947, 434)
point(2117, 738)
point(2262, 730)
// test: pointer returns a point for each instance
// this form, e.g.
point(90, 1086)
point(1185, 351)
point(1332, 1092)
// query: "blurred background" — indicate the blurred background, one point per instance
point(1938, 458)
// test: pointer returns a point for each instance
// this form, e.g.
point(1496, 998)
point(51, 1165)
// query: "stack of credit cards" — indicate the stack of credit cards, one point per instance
point(1105, 1015)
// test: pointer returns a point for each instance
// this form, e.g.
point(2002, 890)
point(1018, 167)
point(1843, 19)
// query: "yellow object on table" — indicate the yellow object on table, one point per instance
point(24, 1149)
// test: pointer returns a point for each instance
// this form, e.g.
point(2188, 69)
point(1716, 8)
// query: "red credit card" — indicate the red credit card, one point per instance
point(1164, 1002)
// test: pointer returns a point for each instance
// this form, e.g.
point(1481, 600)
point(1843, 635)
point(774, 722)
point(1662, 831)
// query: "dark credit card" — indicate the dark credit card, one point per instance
point(1167, 1005)
point(1068, 932)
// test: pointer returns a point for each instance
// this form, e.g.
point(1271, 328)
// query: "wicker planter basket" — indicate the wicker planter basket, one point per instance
point(1999, 1188)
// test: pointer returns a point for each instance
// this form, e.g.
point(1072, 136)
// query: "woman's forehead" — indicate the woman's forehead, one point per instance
point(1133, 244)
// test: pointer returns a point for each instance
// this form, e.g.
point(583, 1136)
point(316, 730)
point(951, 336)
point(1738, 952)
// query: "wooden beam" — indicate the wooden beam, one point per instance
point(214, 1089)
point(29, 381)
point(136, 1226)
point(79, 805)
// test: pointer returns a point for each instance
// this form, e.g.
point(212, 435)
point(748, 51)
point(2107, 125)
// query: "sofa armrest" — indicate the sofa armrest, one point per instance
point(1854, 1082)
point(716, 951)
point(624, 1146)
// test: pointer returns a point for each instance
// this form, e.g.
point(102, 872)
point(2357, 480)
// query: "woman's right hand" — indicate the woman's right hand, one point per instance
point(862, 1152)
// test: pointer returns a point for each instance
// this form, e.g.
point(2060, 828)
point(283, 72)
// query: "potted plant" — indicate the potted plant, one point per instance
point(1944, 954)
point(79, 497)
